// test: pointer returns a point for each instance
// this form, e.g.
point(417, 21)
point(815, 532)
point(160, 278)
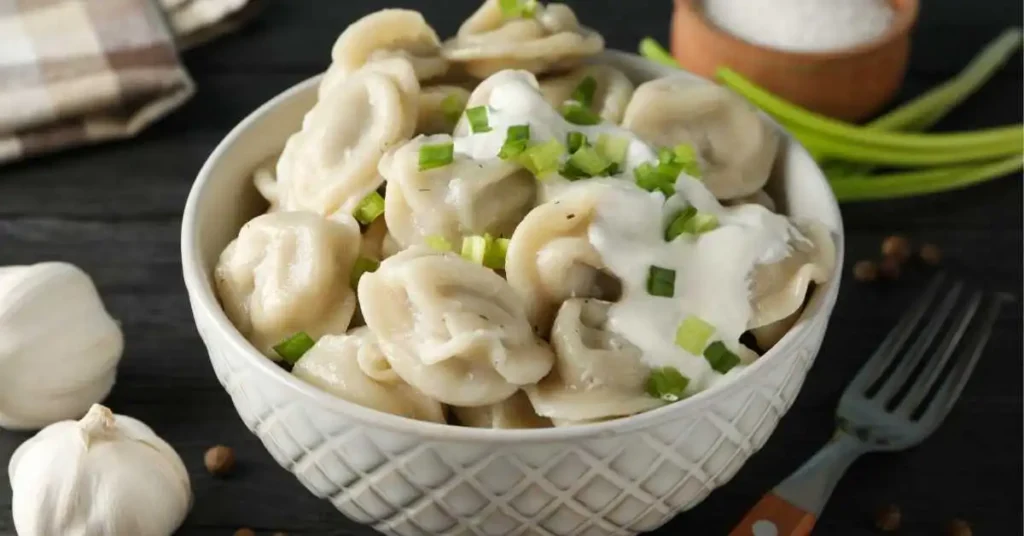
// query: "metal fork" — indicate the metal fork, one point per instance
point(887, 407)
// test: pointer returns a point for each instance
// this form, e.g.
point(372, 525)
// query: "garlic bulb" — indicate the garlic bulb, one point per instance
point(105, 475)
point(59, 347)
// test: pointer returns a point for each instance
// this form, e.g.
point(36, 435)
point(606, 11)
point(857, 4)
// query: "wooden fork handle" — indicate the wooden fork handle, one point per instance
point(774, 516)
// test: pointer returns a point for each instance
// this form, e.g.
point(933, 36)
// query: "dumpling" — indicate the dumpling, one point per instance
point(736, 146)
point(550, 257)
point(481, 95)
point(778, 290)
point(513, 412)
point(288, 272)
point(433, 118)
point(759, 197)
point(451, 328)
point(388, 33)
point(330, 165)
point(611, 96)
point(465, 197)
point(353, 367)
point(550, 40)
point(597, 373)
point(265, 181)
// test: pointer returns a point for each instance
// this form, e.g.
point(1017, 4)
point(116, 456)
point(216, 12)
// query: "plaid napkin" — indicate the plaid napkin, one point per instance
point(74, 72)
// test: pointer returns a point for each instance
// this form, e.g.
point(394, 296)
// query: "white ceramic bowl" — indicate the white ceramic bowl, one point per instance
point(407, 477)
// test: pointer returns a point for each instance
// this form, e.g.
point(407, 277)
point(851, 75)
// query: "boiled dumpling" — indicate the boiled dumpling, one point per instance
point(330, 165)
point(288, 272)
point(759, 197)
point(481, 95)
point(265, 181)
point(466, 197)
point(550, 258)
point(387, 33)
point(433, 118)
point(736, 146)
point(451, 328)
point(778, 290)
point(550, 40)
point(597, 374)
point(511, 413)
point(612, 90)
point(353, 367)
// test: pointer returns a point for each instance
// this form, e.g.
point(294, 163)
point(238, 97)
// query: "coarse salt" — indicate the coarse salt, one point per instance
point(802, 25)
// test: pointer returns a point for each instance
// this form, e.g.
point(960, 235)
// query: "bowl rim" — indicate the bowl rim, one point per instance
point(208, 312)
point(906, 14)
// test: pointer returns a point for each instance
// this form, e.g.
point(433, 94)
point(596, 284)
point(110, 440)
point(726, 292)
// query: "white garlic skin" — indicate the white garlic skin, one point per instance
point(106, 475)
point(59, 348)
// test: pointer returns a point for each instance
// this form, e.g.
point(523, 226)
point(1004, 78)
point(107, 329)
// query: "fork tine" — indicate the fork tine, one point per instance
point(951, 388)
point(934, 367)
point(924, 340)
point(896, 338)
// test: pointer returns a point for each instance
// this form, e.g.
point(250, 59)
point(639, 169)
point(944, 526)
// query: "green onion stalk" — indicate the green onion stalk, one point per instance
point(849, 153)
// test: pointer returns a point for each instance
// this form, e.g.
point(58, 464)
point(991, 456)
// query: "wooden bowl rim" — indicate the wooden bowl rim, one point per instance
point(905, 18)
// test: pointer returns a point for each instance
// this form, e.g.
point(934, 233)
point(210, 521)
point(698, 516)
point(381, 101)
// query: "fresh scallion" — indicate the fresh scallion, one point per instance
point(613, 148)
point(517, 137)
point(574, 140)
point(700, 223)
point(571, 172)
point(451, 107)
point(584, 92)
point(587, 160)
point(362, 266)
point(436, 155)
point(494, 256)
point(667, 383)
point(661, 282)
point(651, 178)
point(543, 158)
point(294, 347)
point(720, 358)
point(369, 209)
point(578, 114)
point(474, 248)
point(477, 117)
point(693, 334)
point(438, 243)
point(514, 9)
point(685, 156)
point(678, 224)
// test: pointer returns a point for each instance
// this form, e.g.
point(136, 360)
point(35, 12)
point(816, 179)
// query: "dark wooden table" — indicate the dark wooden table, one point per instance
point(115, 211)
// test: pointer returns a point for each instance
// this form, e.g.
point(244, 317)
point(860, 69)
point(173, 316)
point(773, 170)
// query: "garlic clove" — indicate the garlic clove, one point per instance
point(104, 475)
point(59, 347)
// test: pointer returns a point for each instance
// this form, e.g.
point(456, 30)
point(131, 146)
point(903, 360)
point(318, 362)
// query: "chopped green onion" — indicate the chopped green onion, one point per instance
point(438, 243)
point(693, 334)
point(518, 8)
point(651, 178)
point(584, 92)
point(666, 156)
point(701, 222)
point(578, 114)
point(294, 347)
point(477, 117)
point(661, 282)
point(517, 137)
point(588, 161)
point(362, 266)
point(685, 156)
point(667, 383)
point(474, 248)
point(436, 155)
point(678, 225)
point(494, 256)
point(613, 148)
point(572, 172)
point(720, 358)
point(543, 158)
point(574, 140)
point(452, 107)
point(369, 209)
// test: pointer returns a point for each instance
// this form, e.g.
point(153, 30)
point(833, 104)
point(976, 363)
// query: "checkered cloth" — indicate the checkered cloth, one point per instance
point(74, 72)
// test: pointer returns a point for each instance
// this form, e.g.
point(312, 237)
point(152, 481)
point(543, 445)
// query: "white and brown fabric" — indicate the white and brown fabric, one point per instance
point(74, 72)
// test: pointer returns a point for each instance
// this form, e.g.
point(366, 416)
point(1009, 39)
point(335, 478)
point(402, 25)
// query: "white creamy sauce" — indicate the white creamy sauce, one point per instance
point(712, 269)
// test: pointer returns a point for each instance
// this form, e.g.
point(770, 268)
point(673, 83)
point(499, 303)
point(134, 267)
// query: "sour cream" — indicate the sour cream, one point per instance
point(712, 270)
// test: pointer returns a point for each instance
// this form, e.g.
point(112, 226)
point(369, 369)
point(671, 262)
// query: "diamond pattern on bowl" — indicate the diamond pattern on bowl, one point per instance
point(406, 485)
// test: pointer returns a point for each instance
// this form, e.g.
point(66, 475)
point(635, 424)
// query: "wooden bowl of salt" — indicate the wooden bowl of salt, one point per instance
point(842, 58)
